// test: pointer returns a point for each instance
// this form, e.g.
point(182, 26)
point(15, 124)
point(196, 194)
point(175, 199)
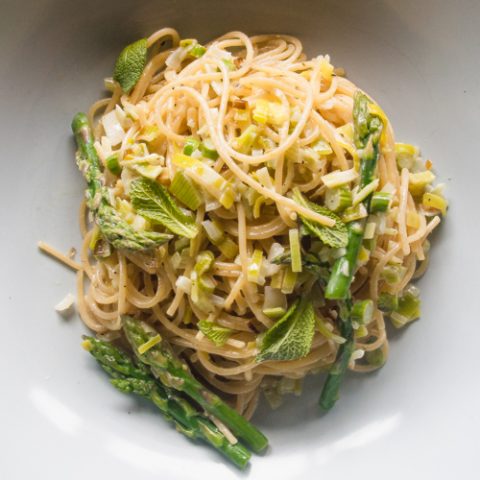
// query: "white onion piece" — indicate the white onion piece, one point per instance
point(113, 128)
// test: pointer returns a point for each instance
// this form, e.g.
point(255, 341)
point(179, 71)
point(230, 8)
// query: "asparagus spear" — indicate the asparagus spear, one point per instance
point(175, 374)
point(338, 285)
point(367, 130)
point(330, 391)
point(114, 361)
point(115, 230)
point(128, 377)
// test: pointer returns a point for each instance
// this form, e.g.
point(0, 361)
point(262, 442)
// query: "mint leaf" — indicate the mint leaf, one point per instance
point(336, 236)
point(217, 334)
point(130, 64)
point(153, 202)
point(291, 337)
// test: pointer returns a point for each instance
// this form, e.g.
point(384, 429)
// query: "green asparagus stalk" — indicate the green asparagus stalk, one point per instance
point(113, 360)
point(129, 377)
point(174, 373)
point(331, 388)
point(338, 285)
point(113, 228)
point(367, 131)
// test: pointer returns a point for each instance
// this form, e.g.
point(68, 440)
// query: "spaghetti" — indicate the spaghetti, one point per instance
point(247, 121)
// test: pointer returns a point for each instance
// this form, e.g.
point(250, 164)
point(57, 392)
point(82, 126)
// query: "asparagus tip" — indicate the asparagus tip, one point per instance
point(79, 120)
point(87, 344)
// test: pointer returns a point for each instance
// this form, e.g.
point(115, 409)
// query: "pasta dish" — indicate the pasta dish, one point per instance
point(249, 219)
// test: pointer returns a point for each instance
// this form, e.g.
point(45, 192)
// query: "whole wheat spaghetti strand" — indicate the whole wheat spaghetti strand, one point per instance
point(48, 249)
point(402, 212)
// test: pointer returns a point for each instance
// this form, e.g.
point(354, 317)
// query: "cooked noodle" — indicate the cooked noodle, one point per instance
point(198, 98)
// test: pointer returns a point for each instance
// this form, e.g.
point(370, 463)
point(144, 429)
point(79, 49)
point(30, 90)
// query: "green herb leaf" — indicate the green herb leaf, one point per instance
point(217, 334)
point(291, 337)
point(336, 236)
point(130, 64)
point(152, 201)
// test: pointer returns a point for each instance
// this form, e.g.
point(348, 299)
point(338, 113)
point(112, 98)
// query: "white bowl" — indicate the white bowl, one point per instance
point(416, 417)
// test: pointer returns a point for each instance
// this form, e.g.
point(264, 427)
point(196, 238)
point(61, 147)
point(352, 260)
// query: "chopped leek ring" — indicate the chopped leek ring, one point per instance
point(418, 181)
point(184, 189)
point(228, 248)
point(432, 200)
point(370, 228)
point(254, 268)
point(380, 202)
point(245, 141)
point(277, 280)
point(322, 147)
point(204, 262)
point(261, 111)
point(354, 213)
point(295, 251)
point(274, 302)
point(408, 305)
point(405, 155)
point(207, 177)
point(339, 178)
point(289, 281)
point(346, 131)
point(413, 219)
point(387, 302)
point(214, 232)
point(269, 112)
point(274, 313)
point(338, 199)
point(362, 312)
point(393, 274)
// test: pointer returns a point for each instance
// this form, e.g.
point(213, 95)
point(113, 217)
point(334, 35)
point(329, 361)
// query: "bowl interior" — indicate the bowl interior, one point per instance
point(418, 61)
